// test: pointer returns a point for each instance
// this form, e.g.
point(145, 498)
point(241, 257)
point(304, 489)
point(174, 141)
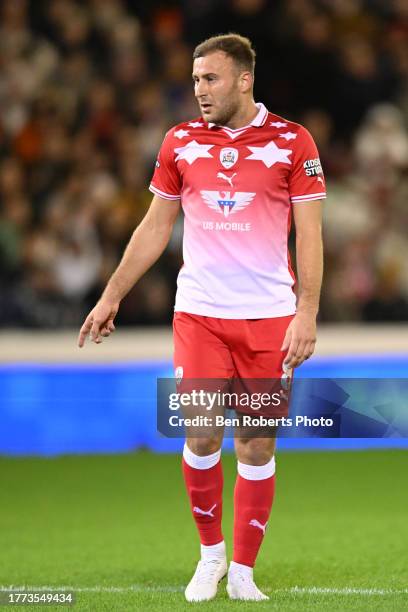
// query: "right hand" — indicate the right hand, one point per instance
point(99, 323)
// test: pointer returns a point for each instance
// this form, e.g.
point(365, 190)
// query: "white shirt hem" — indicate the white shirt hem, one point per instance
point(206, 311)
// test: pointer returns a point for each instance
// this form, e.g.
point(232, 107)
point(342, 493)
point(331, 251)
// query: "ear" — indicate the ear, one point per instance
point(246, 82)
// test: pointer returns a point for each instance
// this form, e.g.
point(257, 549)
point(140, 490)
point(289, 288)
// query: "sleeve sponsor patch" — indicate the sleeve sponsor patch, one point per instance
point(313, 167)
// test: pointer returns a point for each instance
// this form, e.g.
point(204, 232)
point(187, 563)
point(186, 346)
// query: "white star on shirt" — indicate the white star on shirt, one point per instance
point(181, 133)
point(278, 124)
point(192, 151)
point(288, 136)
point(195, 124)
point(270, 154)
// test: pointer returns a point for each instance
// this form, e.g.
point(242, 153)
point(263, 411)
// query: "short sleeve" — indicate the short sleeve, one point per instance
point(306, 181)
point(166, 181)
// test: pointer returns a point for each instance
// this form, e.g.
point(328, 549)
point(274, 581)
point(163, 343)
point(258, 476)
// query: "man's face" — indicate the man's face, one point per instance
point(216, 87)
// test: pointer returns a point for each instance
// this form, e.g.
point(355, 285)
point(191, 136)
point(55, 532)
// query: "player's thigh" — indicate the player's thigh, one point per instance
point(198, 351)
point(202, 363)
point(257, 351)
point(258, 361)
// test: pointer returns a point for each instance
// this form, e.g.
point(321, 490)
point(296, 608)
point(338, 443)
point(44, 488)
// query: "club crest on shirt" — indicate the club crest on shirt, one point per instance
point(228, 157)
point(178, 374)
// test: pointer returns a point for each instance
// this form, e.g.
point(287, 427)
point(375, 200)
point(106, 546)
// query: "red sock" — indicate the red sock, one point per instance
point(204, 481)
point(253, 498)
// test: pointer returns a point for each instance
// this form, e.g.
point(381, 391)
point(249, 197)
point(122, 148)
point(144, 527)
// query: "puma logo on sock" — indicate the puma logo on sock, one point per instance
point(205, 512)
point(256, 523)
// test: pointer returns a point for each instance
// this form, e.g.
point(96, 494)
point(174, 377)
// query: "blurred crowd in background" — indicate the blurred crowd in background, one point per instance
point(87, 91)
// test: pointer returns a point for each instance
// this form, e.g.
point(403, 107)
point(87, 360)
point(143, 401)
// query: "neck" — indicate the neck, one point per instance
point(243, 116)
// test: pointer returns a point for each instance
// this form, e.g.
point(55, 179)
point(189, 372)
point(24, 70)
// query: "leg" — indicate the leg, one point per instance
point(200, 354)
point(257, 357)
point(253, 498)
point(204, 482)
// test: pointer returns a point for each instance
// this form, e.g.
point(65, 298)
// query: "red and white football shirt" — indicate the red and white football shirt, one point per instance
point(236, 189)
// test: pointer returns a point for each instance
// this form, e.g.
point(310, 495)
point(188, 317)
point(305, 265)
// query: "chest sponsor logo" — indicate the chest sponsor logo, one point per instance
point(226, 226)
point(313, 167)
point(228, 157)
point(227, 202)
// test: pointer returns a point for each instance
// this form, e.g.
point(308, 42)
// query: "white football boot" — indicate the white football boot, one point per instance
point(210, 570)
point(241, 584)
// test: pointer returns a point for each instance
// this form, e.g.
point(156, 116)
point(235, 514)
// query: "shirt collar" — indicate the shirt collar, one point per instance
point(258, 120)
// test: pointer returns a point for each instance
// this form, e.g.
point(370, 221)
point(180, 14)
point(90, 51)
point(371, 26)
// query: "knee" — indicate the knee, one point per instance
point(254, 451)
point(203, 446)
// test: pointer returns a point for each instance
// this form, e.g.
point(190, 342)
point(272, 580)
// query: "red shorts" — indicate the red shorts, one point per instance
point(213, 348)
point(208, 347)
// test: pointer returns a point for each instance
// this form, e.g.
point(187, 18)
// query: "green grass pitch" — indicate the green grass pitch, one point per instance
point(118, 530)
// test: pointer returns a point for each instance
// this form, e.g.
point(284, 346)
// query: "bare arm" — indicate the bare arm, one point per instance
point(300, 337)
point(146, 245)
point(309, 254)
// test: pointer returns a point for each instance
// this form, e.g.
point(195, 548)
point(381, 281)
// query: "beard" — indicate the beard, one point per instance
point(223, 115)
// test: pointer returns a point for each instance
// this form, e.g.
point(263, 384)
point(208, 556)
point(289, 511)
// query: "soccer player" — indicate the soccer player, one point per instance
point(240, 173)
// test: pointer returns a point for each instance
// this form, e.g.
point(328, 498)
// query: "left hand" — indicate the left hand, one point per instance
point(300, 339)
